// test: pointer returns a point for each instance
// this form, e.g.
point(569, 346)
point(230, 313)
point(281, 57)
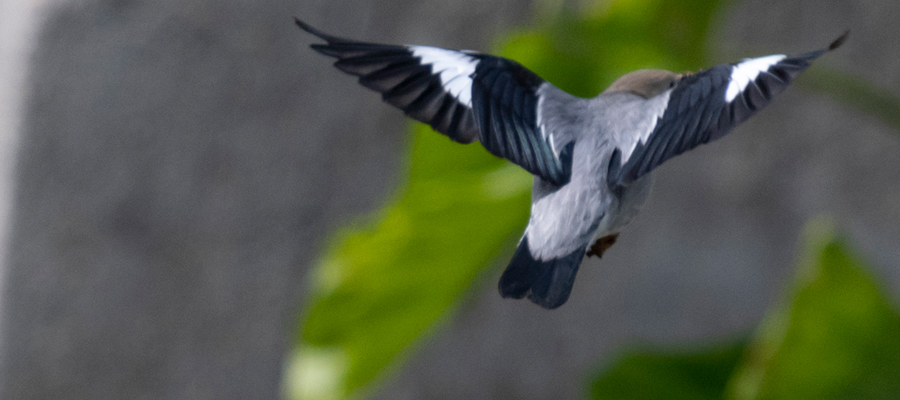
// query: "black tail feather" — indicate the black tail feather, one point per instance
point(546, 283)
point(520, 274)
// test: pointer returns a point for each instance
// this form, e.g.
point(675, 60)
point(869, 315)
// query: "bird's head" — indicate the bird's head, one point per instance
point(647, 83)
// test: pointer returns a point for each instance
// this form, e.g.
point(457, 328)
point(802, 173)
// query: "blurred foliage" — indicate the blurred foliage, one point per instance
point(856, 92)
point(386, 282)
point(381, 286)
point(673, 376)
point(583, 54)
point(836, 337)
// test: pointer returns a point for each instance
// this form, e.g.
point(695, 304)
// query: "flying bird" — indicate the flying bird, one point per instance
point(591, 157)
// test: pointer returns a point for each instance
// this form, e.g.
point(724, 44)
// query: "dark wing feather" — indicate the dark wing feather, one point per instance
point(463, 95)
point(706, 106)
point(404, 81)
point(505, 100)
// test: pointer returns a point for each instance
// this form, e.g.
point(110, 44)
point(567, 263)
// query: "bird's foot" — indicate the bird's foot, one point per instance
point(601, 245)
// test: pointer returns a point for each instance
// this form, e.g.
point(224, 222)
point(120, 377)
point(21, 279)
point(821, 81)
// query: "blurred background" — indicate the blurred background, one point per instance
point(195, 205)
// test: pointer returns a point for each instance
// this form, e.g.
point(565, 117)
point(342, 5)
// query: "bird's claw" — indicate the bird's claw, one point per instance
point(601, 245)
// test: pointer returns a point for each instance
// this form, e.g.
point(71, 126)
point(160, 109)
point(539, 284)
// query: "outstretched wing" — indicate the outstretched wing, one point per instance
point(706, 106)
point(461, 94)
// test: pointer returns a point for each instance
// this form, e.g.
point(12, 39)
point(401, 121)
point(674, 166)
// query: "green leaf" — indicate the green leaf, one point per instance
point(584, 54)
point(383, 285)
point(673, 376)
point(838, 339)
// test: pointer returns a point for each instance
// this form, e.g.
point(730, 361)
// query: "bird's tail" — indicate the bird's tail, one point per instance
point(546, 283)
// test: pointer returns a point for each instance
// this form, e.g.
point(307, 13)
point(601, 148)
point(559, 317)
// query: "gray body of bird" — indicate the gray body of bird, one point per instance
point(591, 158)
point(570, 217)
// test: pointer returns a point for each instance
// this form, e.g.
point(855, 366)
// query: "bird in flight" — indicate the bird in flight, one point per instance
point(591, 157)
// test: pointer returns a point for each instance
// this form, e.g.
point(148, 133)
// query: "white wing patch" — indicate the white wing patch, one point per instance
point(454, 68)
point(747, 71)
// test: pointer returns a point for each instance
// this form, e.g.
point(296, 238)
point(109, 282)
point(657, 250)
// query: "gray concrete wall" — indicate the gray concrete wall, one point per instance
point(179, 165)
point(19, 22)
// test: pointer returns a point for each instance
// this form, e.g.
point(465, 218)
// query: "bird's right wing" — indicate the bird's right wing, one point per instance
point(705, 107)
point(464, 95)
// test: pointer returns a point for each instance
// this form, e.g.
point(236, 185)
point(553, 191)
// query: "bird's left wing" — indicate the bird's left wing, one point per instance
point(706, 106)
point(462, 94)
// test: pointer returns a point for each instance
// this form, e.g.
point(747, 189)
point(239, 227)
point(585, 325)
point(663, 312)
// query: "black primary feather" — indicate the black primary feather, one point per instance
point(502, 113)
point(698, 112)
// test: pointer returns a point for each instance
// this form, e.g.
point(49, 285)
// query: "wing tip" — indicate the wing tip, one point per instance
point(306, 27)
point(839, 41)
point(321, 35)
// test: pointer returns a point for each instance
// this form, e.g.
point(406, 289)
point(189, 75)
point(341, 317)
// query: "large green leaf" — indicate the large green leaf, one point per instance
point(839, 338)
point(648, 375)
point(381, 286)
